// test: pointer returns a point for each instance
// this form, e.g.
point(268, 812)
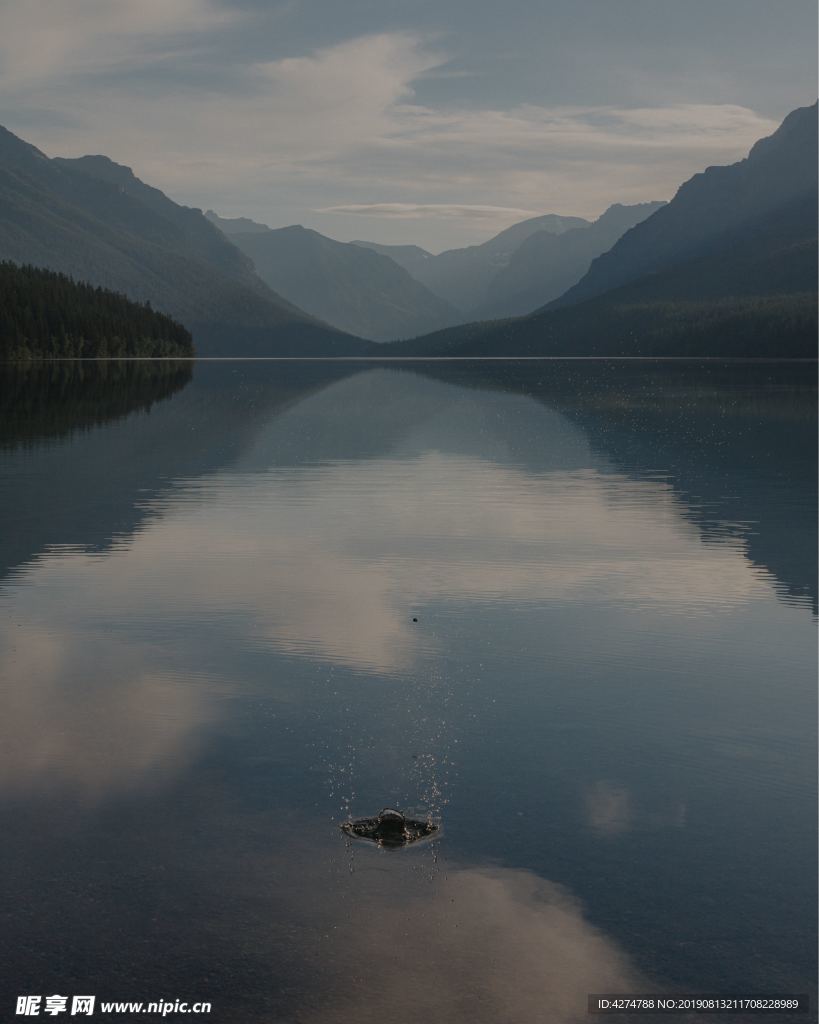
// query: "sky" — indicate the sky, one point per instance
point(431, 123)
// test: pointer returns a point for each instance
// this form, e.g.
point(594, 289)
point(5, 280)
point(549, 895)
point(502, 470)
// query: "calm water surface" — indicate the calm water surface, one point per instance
point(209, 660)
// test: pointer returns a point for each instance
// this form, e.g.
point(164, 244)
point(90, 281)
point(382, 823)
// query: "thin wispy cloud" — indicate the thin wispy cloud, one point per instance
point(410, 211)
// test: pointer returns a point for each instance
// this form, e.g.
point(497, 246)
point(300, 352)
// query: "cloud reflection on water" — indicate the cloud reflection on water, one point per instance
point(609, 809)
point(329, 561)
point(91, 718)
point(484, 945)
point(325, 562)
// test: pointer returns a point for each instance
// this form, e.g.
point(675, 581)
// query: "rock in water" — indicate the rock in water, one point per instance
point(390, 829)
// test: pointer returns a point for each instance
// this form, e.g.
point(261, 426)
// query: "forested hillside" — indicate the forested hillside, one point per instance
point(46, 315)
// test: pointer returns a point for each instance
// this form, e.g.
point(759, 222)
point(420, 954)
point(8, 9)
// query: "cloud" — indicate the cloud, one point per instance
point(409, 211)
point(45, 41)
point(368, 75)
point(90, 717)
point(336, 131)
point(493, 945)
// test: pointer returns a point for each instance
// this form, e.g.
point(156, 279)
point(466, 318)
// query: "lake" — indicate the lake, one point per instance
point(564, 609)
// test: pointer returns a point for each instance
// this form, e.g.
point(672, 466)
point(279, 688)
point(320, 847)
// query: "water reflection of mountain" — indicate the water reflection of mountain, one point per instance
point(736, 441)
point(85, 449)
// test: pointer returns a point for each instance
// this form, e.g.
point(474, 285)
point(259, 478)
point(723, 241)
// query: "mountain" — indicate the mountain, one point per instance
point(46, 315)
point(236, 225)
point(353, 288)
point(546, 264)
point(732, 272)
point(410, 257)
point(461, 276)
point(778, 169)
point(752, 295)
point(96, 221)
point(510, 238)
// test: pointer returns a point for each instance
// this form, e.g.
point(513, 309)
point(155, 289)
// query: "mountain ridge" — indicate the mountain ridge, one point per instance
point(96, 221)
point(778, 168)
point(545, 265)
point(741, 284)
point(461, 276)
point(351, 287)
point(407, 256)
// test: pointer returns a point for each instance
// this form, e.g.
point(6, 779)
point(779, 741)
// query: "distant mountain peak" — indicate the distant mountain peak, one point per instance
point(357, 289)
point(461, 276)
point(236, 225)
point(545, 264)
point(106, 168)
point(386, 247)
point(300, 228)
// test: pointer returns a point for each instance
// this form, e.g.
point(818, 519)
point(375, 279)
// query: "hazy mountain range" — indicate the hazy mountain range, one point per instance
point(546, 264)
point(351, 287)
point(93, 219)
point(389, 292)
point(410, 257)
point(728, 266)
point(461, 276)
